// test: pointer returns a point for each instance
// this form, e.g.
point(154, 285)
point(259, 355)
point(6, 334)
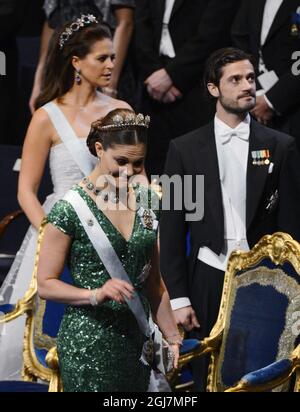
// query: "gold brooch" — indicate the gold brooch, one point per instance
point(148, 218)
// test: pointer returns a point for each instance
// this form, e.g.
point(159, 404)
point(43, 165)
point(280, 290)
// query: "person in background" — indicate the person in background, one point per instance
point(118, 14)
point(270, 29)
point(251, 188)
point(173, 40)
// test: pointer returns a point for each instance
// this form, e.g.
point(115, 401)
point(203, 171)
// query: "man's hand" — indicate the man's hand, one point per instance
point(262, 111)
point(158, 83)
point(172, 95)
point(187, 318)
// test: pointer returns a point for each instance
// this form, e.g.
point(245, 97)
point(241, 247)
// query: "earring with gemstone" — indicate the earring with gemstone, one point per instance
point(77, 77)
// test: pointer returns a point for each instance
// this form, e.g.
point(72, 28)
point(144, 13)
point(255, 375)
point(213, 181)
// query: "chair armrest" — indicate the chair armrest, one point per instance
point(24, 305)
point(52, 358)
point(9, 219)
point(53, 364)
point(193, 348)
point(189, 345)
point(265, 378)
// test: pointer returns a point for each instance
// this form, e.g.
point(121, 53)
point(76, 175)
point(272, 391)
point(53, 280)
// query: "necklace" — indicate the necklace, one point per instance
point(106, 195)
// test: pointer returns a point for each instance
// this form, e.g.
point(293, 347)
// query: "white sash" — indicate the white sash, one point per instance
point(153, 347)
point(69, 138)
point(107, 254)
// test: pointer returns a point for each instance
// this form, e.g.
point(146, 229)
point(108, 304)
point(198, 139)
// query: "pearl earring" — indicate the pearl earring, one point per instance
point(77, 77)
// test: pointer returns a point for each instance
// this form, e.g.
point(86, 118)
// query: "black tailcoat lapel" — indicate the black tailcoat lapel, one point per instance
point(257, 13)
point(159, 9)
point(177, 5)
point(256, 175)
point(208, 161)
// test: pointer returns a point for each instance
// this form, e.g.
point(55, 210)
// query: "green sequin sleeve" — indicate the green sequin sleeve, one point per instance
point(63, 216)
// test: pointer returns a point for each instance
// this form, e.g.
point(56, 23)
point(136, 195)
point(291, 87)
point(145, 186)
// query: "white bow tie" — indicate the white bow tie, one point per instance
point(242, 132)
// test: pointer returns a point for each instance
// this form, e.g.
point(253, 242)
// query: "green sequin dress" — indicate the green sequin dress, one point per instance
point(100, 347)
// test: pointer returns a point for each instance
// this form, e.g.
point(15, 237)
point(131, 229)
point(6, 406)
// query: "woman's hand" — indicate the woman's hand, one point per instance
point(174, 342)
point(115, 289)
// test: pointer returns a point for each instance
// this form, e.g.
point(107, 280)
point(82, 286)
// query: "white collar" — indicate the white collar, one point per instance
point(225, 132)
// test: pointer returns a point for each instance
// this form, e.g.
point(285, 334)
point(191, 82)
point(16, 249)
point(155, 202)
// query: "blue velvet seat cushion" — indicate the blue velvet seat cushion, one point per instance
point(20, 386)
point(6, 308)
point(41, 356)
point(186, 376)
point(270, 372)
point(188, 345)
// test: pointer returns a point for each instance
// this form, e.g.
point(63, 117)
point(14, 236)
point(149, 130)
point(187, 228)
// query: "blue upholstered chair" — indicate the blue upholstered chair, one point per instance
point(40, 360)
point(254, 344)
point(13, 226)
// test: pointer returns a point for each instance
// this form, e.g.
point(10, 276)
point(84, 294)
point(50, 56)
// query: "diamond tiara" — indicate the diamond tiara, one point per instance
point(122, 122)
point(84, 20)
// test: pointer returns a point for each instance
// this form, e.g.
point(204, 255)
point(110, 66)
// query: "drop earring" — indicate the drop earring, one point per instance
point(77, 77)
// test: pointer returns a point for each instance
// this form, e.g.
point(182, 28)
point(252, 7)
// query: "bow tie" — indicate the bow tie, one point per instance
point(242, 132)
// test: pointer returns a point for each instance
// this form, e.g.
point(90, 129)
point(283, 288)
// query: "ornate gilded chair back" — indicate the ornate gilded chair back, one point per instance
point(48, 316)
point(260, 311)
point(41, 329)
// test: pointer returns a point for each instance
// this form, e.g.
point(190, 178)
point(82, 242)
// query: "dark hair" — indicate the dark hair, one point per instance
point(58, 76)
point(131, 135)
point(219, 59)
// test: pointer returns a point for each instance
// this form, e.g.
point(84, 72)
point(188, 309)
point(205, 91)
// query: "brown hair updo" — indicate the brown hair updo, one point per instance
point(123, 135)
point(58, 76)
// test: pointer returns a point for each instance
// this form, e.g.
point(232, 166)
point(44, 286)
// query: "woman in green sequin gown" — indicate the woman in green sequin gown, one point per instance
point(100, 346)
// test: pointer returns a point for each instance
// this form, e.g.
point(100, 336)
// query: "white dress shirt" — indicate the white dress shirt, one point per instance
point(271, 9)
point(232, 150)
point(166, 47)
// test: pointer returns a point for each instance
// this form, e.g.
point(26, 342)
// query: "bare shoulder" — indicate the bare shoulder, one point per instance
point(40, 116)
point(120, 104)
point(41, 125)
point(111, 104)
point(41, 120)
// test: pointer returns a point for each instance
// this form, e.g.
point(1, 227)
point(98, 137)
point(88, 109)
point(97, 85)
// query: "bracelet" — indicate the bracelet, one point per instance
point(93, 297)
point(172, 336)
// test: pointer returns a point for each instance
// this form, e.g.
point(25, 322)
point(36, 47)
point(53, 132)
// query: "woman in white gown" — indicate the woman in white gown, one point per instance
point(80, 61)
